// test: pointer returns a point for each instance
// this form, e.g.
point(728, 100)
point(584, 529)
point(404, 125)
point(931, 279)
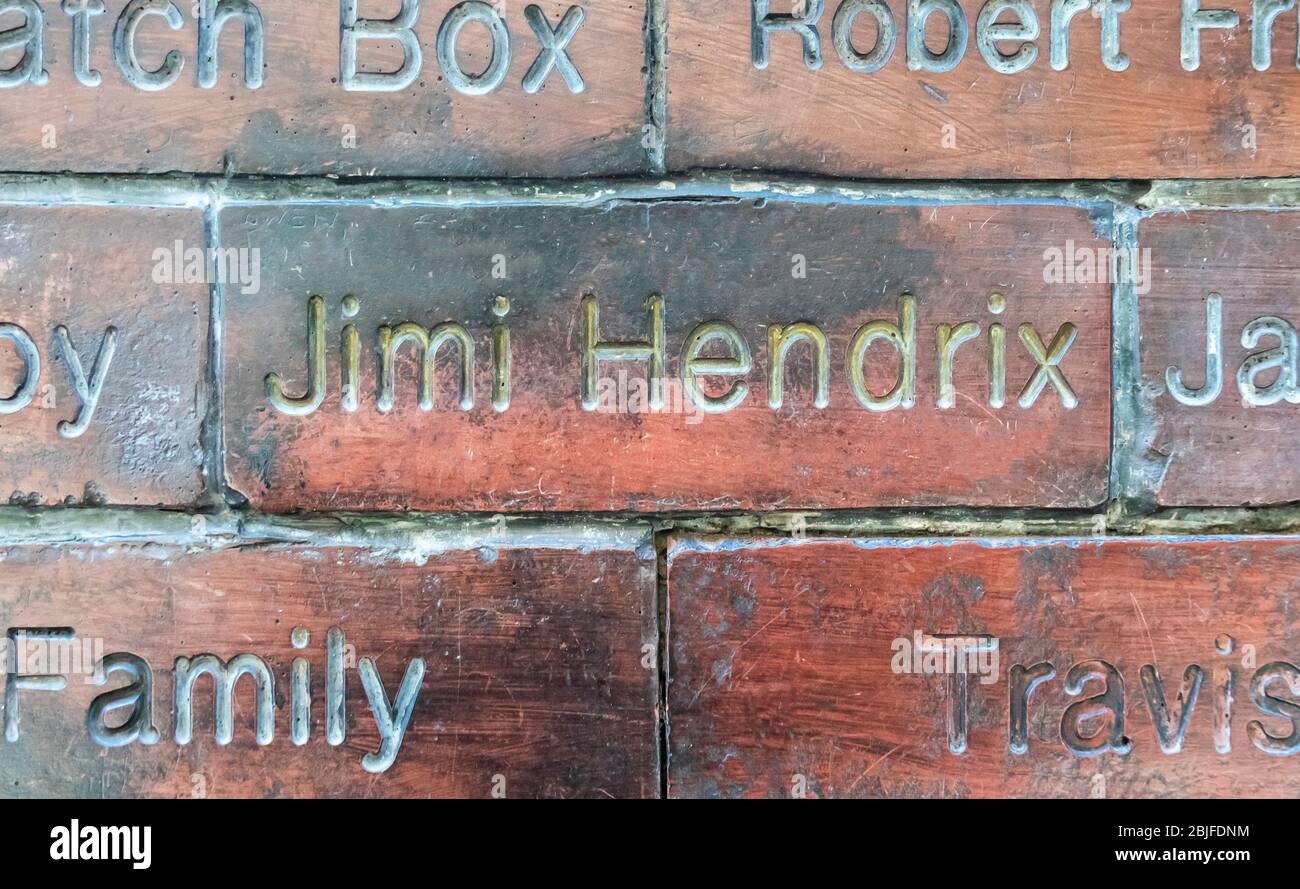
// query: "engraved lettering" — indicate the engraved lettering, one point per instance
point(1171, 731)
point(997, 354)
point(224, 675)
point(335, 687)
point(989, 32)
point(15, 681)
point(1023, 681)
point(1108, 707)
point(594, 351)
point(1285, 360)
point(213, 17)
point(399, 28)
point(947, 339)
point(1262, 738)
point(694, 366)
point(350, 352)
point(1049, 365)
point(960, 652)
point(1063, 11)
point(30, 35)
point(494, 74)
point(903, 340)
point(128, 23)
point(1110, 11)
point(429, 342)
point(136, 694)
point(300, 682)
point(1213, 361)
point(554, 54)
point(391, 721)
point(83, 13)
point(804, 24)
point(842, 35)
point(780, 340)
point(500, 356)
point(1195, 20)
point(308, 403)
point(87, 391)
point(1225, 679)
point(31, 359)
point(919, 56)
point(1263, 13)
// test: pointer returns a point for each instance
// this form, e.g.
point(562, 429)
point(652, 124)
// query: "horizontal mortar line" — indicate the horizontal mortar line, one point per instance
point(196, 191)
point(951, 521)
point(716, 544)
point(1221, 194)
point(1116, 516)
point(423, 534)
point(413, 535)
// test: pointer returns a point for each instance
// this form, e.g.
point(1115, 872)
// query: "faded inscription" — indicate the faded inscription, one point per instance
point(550, 53)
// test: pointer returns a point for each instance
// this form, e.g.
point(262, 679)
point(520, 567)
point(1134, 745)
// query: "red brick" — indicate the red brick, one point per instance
point(781, 664)
point(88, 269)
point(296, 121)
point(1153, 120)
point(1230, 451)
point(430, 266)
point(533, 670)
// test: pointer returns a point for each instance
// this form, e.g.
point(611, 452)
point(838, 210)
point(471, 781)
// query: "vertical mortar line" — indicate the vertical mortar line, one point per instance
point(213, 422)
point(661, 606)
point(1133, 483)
point(654, 136)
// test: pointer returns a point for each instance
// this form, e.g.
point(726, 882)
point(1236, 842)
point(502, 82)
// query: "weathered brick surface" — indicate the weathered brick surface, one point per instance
point(750, 265)
point(782, 658)
point(533, 681)
point(1153, 120)
point(302, 120)
point(1237, 448)
point(87, 270)
point(977, 341)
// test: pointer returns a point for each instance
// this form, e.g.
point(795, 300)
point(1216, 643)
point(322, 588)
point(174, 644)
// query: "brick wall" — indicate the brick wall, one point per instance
point(790, 432)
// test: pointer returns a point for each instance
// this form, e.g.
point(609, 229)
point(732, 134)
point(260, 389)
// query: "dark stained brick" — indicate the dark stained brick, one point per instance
point(1153, 120)
point(736, 262)
point(88, 269)
point(533, 670)
point(302, 121)
point(1230, 451)
point(782, 665)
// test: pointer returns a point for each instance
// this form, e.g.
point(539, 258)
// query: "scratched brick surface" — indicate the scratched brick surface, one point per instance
point(301, 120)
point(533, 674)
point(782, 674)
point(750, 264)
point(1233, 449)
point(1152, 120)
point(88, 269)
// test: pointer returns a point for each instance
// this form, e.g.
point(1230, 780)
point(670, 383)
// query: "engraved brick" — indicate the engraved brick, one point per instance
point(533, 683)
point(301, 120)
point(1152, 120)
point(1237, 447)
point(791, 668)
point(87, 270)
point(836, 266)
